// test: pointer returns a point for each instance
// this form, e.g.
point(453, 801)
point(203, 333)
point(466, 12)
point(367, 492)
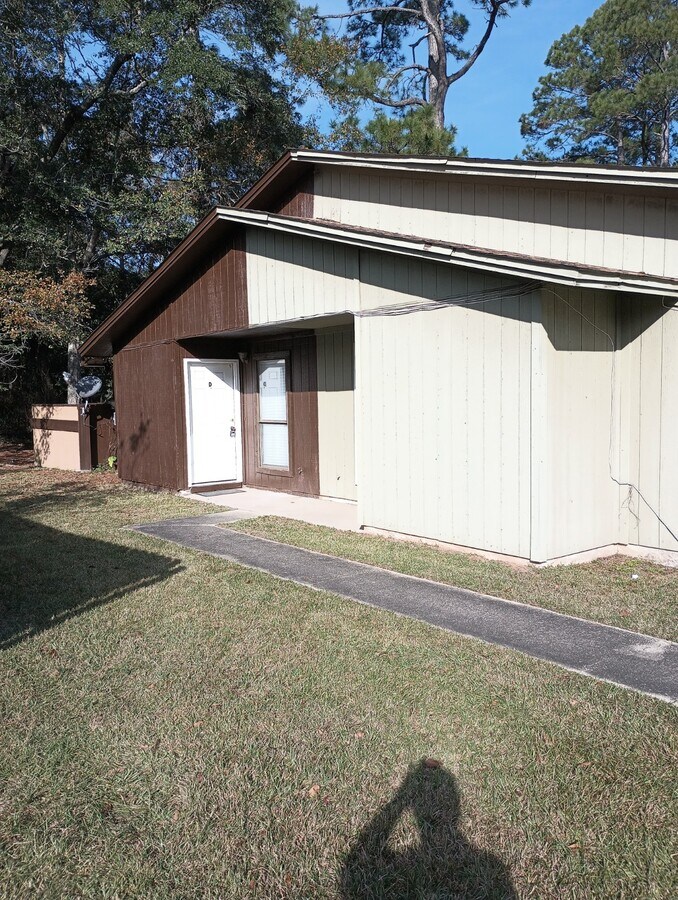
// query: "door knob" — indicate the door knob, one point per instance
point(232, 430)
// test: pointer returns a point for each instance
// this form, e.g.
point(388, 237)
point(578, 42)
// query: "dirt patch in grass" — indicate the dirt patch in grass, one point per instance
point(16, 454)
point(605, 590)
point(177, 726)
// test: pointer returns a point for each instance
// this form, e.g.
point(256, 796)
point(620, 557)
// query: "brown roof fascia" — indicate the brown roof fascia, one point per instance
point(274, 182)
point(176, 264)
point(281, 176)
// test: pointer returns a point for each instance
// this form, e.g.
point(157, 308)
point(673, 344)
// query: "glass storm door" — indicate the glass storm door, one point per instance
point(213, 421)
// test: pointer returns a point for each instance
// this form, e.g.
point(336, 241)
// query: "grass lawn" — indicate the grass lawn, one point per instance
point(176, 726)
point(602, 590)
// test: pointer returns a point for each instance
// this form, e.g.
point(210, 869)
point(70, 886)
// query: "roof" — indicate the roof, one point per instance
point(294, 164)
point(498, 262)
point(178, 264)
point(523, 170)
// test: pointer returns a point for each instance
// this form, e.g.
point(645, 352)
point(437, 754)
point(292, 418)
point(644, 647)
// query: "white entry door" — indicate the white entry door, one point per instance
point(213, 412)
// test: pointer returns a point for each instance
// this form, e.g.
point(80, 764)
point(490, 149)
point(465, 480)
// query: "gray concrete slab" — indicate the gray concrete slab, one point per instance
point(341, 514)
point(624, 658)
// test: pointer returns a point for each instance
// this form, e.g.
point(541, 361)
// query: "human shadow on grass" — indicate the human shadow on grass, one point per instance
point(48, 576)
point(441, 864)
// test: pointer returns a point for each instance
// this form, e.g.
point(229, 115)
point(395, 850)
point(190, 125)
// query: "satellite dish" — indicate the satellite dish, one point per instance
point(88, 387)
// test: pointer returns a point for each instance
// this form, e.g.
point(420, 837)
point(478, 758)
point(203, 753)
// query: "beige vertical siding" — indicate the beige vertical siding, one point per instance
point(503, 426)
point(574, 450)
point(648, 402)
point(336, 431)
point(444, 413)
point(603, 228)
point(294, 278)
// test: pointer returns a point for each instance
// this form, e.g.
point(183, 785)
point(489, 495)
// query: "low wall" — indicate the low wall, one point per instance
point(65, 439)
point(56, 436)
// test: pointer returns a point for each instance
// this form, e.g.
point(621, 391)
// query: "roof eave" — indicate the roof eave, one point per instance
point(522, 170)
point(499, 263)
point(100, 342)
point(282, 175)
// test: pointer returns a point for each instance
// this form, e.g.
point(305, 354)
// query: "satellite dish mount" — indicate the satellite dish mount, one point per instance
point(86, 388)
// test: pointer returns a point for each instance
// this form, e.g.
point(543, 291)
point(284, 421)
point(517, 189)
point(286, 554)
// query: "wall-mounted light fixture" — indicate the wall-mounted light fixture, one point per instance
point(243, 356)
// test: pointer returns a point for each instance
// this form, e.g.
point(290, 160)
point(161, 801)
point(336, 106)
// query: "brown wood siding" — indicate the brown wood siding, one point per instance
point(148, 366)
point(214, 299)
point(298, 201)
point(149, 401)
point(103, 436)
point(302, 416)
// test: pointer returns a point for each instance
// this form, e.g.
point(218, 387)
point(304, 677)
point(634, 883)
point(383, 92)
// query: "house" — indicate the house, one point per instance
point(476, 352)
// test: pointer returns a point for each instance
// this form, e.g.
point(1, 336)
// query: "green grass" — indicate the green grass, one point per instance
point(602, 590)
point(176, 726)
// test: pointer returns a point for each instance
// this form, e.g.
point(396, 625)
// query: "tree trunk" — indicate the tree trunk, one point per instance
point(621, 156)
point(90, 249)
point(665, 139)
point(438, 83)
point(73, 371)
point(665, 134)
point(644, 149)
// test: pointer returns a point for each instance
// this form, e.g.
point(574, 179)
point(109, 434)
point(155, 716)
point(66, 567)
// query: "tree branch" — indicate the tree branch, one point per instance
point(371, 9)
point(496, 7)
point(417, 42)
point(76, 113)
point(397, 104)
point(394, 75)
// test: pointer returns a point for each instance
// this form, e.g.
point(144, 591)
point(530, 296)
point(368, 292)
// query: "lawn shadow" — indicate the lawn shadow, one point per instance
point(48, 576)
point(443, 864)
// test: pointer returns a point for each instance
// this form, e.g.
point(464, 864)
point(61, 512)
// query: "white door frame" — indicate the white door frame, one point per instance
point(238, 405)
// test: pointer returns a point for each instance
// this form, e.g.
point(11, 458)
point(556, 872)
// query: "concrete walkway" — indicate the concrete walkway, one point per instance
point(625, 658)
point(340, 514)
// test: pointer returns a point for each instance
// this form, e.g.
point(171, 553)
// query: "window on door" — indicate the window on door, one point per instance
point(274, 447)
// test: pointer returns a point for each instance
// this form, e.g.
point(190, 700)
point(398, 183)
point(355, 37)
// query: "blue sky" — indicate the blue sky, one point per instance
point(486, 104)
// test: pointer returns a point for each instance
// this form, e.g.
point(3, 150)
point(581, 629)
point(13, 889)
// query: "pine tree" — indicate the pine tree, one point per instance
point(403, 56)
point(612, 94)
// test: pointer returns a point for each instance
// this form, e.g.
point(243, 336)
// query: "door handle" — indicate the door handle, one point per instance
point(232, 430)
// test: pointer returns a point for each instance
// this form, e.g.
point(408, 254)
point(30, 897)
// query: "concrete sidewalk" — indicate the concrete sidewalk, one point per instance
point(625, 658)
point(340, 514)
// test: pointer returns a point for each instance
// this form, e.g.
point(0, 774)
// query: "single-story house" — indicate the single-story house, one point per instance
point(476, 352)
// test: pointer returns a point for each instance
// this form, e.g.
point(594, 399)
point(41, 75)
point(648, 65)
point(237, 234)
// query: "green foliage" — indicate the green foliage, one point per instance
point(612, 94)
point(413, 132)
point(401, 55)
point(121, 124)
